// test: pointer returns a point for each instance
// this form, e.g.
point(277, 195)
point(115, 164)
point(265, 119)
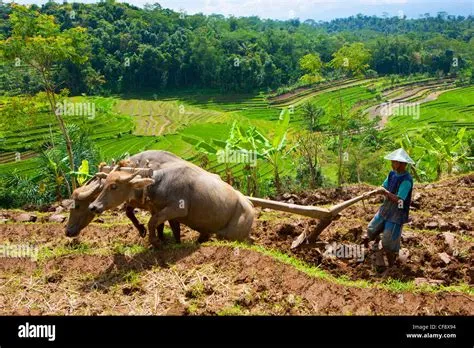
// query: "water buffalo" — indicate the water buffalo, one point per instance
point(187, 194)
point(80, 215)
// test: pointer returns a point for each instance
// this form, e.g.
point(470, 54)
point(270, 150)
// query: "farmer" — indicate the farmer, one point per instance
point(393, 213)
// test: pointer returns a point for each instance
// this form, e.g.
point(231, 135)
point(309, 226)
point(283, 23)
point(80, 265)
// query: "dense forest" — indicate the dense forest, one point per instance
point(133, 49)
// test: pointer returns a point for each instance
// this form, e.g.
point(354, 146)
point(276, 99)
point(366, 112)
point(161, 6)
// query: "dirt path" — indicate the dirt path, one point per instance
point(164, 125)
point(385, 112)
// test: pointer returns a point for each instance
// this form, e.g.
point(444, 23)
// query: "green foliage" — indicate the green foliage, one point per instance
point(312, 114)
point(83, 173)
point(439, 151)
point(352, 59)
point(152, 48)
point(52, 178)
point(311, 64)
point(18, 191)
point(36, 40)
point(273, 150)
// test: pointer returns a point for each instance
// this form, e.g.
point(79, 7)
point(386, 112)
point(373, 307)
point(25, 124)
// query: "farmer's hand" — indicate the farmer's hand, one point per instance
point(374, 192)
point(388, 194)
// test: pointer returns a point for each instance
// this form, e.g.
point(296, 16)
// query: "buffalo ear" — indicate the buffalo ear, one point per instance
point(139, 183)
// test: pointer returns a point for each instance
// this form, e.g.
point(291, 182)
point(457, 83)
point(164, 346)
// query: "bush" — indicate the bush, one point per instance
point(17, 191)
point(53, 181)
point(303, 176)
point(370, 73)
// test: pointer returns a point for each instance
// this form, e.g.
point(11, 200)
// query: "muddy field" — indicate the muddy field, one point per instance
point(109, 269)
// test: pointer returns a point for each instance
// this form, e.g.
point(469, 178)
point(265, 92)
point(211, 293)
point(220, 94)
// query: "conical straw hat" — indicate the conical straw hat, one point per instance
point(399, 155)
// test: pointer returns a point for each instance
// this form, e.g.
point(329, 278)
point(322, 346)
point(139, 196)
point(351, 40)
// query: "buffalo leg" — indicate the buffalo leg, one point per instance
point(203, 237)
point(239, 227)
point(152, 227)
point(166, 214)
point(159, 231)
point(175, 227)
point(131, 215)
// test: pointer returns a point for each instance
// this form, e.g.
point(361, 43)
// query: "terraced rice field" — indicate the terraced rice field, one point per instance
point(129, 125)
point(454, 107)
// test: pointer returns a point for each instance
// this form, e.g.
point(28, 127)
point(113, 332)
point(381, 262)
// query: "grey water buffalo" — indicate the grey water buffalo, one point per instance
point(187, 194)
point(80, 215)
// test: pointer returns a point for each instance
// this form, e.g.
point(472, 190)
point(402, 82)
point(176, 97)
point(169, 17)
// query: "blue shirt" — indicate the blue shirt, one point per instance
point(404, 188)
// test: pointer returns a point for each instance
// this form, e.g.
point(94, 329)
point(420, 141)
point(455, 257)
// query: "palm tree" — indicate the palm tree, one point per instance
point(312, 114)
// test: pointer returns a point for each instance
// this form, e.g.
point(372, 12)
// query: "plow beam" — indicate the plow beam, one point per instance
point(325, 215)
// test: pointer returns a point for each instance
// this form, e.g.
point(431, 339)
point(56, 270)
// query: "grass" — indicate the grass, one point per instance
point(82, 248)
point(231, 311)
point(128, 250)
point(132, 278)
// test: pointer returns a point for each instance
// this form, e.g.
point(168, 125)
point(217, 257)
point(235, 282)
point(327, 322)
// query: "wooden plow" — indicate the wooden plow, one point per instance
point(325, 215)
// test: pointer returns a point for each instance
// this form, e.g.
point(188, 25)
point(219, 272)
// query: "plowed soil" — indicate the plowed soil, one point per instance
point(109, 269)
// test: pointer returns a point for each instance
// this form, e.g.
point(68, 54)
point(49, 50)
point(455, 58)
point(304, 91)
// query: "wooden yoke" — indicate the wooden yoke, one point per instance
point(143, 172)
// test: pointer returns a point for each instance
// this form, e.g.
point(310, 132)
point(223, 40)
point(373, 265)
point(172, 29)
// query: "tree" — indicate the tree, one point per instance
point(310, 148)
point(352, 59)
point(312, 114)
point(38, 41)
point(344, 122)
point(311, 64)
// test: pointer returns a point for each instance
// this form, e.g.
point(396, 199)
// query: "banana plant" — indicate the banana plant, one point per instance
point(436, 149)
point(409, 146)
point(450, 150)
point(273, 150)
point(83, 172)
point(254, 142)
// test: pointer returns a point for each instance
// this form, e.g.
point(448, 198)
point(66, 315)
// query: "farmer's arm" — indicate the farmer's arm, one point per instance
point(402, 193)
point(380, 189)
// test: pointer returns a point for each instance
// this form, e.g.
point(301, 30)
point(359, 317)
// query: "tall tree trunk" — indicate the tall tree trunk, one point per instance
point(339, 175)
point(312, 173)
point(52, 102)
